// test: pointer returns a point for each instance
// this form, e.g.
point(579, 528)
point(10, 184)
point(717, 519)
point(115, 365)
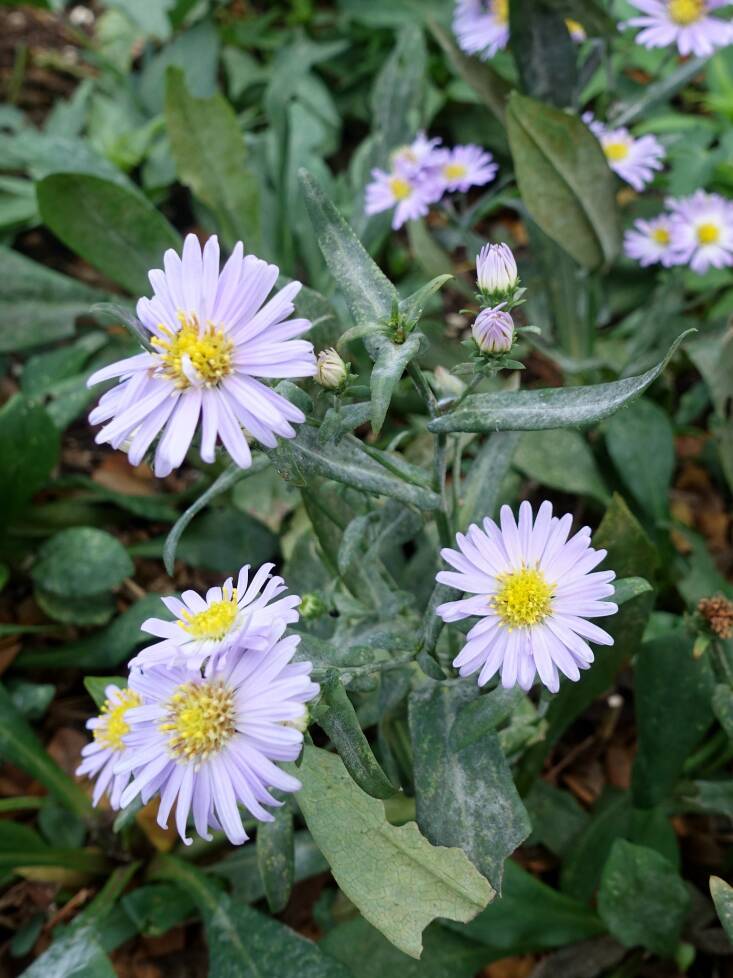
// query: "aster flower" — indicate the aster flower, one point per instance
point(634, 160)
point(496, 270)
point(209, 744)
point(576, 30)
point(687, 23)
point(532, 590)
point(106, 749)
point(702, 231)
point(417, 155)
point(464, 167)
point(207, 628)
point(493, 330)
point(650, 242)
point(481, 26)
point(410, 193)
point(212, 339)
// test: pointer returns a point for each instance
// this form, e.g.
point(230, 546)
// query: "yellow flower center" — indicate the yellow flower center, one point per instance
point(615, 152)
point(708, 234)
point(208, 351)
point(685, 12)
point(524, 598)
point(400, 188)
point(214, 622)
point(660, 236)
point(454, 171)
point(200, 720)
point(574, 26)
point(114, 726)
point(500, 10)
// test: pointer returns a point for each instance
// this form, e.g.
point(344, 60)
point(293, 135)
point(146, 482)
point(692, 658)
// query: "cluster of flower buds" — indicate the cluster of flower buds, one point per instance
point(499, 292)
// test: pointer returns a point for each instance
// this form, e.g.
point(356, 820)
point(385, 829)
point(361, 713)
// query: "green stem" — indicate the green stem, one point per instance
point(442, 518)
point(470, 388)
point(709, 749)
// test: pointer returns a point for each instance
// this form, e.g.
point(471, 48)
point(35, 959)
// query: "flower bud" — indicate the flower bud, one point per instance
point(493, 331)
point(496, 270)
point(312, 606)
point(331, 371)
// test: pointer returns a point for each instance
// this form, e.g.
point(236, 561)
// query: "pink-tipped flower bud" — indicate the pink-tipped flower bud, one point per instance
point(496, 270)
point(331, 371)
point(493, 331)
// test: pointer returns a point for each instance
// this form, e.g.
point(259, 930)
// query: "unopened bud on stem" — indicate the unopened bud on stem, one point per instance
point(493, 331)
point(331, 371)
point(496, 271)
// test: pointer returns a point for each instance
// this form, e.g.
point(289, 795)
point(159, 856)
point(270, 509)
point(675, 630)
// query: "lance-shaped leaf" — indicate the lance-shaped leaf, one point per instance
point(396, 878)
point(116, 230)
point(211, 158)
point(465, 797)
point(369, 294)
point(722, 894)
point(555, 407)
point(336, 714)
point(276, 857)
point(243, 942)
point(20, 746)
point(391, 360)
point(564, 180)
point(411, 308)
point(480, 490)
point(348, 463)
point(543, 52)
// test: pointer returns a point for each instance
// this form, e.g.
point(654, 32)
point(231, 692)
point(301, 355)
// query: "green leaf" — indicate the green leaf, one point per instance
point(275, 858)
point(557, 818)
point(38, 305)
point(96, 686)
point(590, 13)
point(722, 703)
point(389, 364)
point(564, 180)
point(543, 51)
point(640, 441)
point(465, 797)
point(118, 231)
point(530, 917)
point(480, 491)
point(94, 609)
point(642, 898)
point(392, 874)
point(553, 407)
point(337, 716)
point(491, 88)
point(583, 865)
point(348, 463)
point(20, 746)
point(484, 714)
point(630, 551)
point(712, 354)
point(369, 295)
point(243, 943)
point(710, 797)
point(722, 894)
point(220, 540)
point(563, 460)
point(223, 483)
point(211, 158)
point(672, 695)
point(157, 908)
point(412, 307)
point(81, 562)
point(29, 450)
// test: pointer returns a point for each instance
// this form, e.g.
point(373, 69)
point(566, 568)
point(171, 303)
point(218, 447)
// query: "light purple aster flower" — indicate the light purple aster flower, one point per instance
point(481, 26)
point(686, 23)
point(702, 231)
point(107, 747)
point(634, 160)
point(532, 589)
point(212, 339)
point(650, 242)
point(576, 30)
point(207, 628)
point(464, 167)
point(410, 193)
point(210, 744)
point(417, 155)
point(493, 330)
point(496, 270)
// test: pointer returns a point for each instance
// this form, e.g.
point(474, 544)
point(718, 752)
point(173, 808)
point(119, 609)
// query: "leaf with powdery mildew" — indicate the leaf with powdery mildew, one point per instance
point(396, 878)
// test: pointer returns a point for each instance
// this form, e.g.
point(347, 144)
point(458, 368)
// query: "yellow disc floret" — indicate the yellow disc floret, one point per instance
point(113, 726)
point(616, 152)
point(708, 234)
point(524, 598)
point(200, 720)
point(500, 10)
point(400, 188)
point(454, 171)
point(685, 12)
point(208, 351)
point(660, 236)
point(214, 622)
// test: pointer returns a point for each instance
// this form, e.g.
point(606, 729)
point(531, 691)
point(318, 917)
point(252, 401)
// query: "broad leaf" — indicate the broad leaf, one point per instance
point(465, 797)
point(564, 180)
point(640, 440)
point(562, 460)
point(552, 407)
point(80, 562)
point(392, 874)
point(116, 230)
point(722, 894)
point(543, 51)
point(29, 450)
point(275, 857)
point(211, 158)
